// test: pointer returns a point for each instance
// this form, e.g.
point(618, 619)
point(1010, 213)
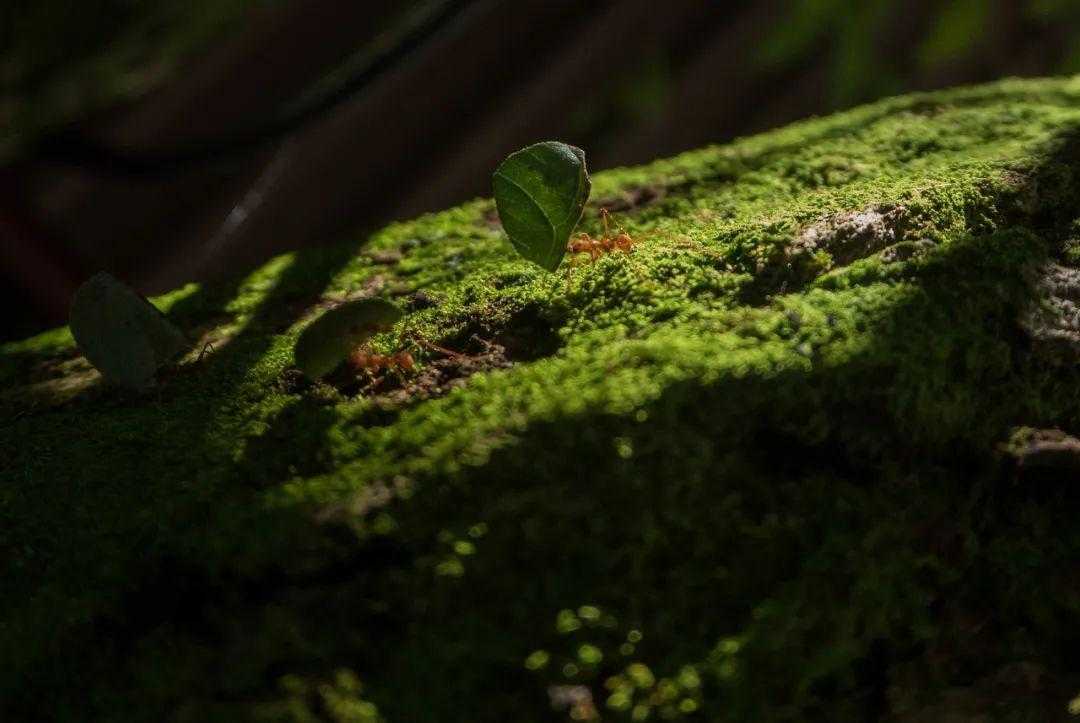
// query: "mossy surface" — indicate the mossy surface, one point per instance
point(755, 470)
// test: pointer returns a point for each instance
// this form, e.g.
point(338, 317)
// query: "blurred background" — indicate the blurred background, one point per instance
point(176, 140)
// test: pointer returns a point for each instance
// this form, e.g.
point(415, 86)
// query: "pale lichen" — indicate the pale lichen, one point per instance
point(1053, 319)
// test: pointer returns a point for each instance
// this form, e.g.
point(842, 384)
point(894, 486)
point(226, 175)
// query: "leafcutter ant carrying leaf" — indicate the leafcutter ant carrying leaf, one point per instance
point(333, 337)
point(540, 192)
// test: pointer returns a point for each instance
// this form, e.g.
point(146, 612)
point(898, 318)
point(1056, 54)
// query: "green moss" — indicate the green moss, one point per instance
point(767, 442)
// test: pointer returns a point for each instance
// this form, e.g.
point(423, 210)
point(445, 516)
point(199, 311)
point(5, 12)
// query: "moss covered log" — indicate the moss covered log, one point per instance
point(804, 454)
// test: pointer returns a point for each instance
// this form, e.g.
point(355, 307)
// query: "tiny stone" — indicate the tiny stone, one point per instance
point(389, 257)
point(422, 300)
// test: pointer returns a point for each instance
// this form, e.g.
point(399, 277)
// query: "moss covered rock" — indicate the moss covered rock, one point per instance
point(804, 454)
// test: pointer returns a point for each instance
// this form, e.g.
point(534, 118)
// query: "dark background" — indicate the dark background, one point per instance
point(173, 140)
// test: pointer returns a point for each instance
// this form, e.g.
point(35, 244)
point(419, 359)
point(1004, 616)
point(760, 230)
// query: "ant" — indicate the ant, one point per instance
point(584, 243)
point(362, 360)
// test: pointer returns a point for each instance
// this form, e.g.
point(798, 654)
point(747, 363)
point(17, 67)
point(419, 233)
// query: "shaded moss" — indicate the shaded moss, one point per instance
point(774, 453)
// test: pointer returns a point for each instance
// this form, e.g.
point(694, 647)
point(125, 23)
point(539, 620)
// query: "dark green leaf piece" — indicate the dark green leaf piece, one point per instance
point(121, 333)
point(540, 192)
point(326, 343)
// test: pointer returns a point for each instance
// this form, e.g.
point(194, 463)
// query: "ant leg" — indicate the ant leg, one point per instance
point(209, 345)
point(373, 381)
point(619, 228)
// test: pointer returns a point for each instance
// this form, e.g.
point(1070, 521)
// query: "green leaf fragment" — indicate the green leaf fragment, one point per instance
point(122, 334)
point(329, 339)
point(537, 660)
point(590, 654)
point(540, 193)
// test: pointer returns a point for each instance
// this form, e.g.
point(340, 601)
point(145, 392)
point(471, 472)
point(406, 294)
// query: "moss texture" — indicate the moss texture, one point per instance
point(758, 469)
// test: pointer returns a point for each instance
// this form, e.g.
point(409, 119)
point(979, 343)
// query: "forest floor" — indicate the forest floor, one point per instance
point(804, 454)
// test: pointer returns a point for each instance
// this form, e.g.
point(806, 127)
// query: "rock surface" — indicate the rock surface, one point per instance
point(758, 469)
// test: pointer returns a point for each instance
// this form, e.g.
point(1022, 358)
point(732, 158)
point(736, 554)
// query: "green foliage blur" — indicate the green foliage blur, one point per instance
point(956, 30)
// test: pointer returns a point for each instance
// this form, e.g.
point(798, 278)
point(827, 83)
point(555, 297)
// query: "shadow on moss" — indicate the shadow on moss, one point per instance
point(822, 541)
point(822, 534)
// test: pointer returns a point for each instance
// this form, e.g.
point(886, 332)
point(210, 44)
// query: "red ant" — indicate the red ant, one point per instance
point(363, 360)
point(584, 243)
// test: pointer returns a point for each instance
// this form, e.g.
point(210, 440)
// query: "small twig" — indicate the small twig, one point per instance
point(442, 350)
